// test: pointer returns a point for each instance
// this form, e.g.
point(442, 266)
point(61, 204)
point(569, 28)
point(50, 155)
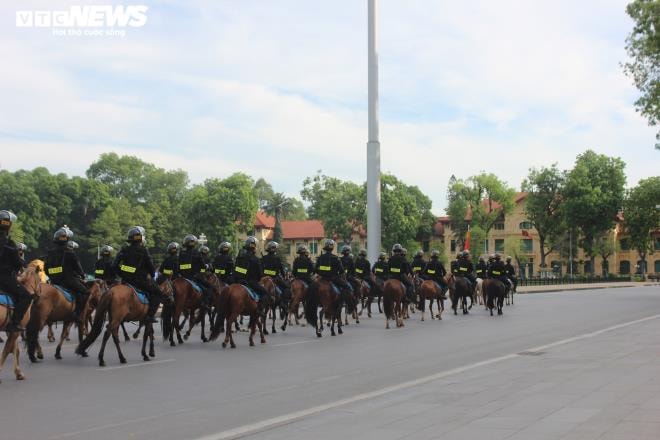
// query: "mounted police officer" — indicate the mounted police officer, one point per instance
point(169, 268)
point(418, 263)
point(63, 268)
point(303, 267)
point(329, 267)
point(273, 267)
point(497, 270)
point(466, 269)
point(349, 266)
point(511, 274)
point(481, 271)
point(205, 252)
point(363, 268)
point(191, 264)
point(223, 263)
point(453, 266)
point(103, 268)
point(380, 269)
point(399, 269)
point(248, 270)
point(135, 266)
point(10, 265)
point(435, 270)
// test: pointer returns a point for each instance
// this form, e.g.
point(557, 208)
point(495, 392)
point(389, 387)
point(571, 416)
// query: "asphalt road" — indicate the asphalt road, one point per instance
point(199, 389)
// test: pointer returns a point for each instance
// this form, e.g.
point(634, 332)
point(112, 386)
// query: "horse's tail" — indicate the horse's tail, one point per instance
point(99, 318)
point(32, 329)
point(221, 310)
point(388, 302)
point(166, 318)
point(312, 304)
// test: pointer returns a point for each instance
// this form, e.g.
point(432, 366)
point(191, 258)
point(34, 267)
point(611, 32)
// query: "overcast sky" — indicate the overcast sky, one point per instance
point(277, 89)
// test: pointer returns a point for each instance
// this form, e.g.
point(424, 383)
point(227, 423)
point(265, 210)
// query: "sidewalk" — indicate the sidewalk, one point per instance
point(582, 286)
point(605, 386)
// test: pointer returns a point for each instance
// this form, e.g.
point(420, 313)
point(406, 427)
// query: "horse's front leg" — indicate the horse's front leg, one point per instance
point(203, 324)
point(272, 329)
point(65, 330)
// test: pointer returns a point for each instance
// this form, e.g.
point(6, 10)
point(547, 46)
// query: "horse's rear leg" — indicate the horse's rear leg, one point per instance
point(65, 329)
point(152, 351)
point(51, 335)
point(177, 327)
point(126, 337)
point(144, 344)
point(319, 324)
point(106, 336)
point(203, 324)
point(115, 339)
point(274, 313)
point(137, 332)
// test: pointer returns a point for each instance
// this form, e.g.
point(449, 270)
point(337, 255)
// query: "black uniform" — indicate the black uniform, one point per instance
point(248, 271)
point(135, 266)
point(63, 268)
point(481, 270)
point(10, 265)
point(329, 267)
point(303, 268)
point(349, 269)
point(399, 268)
point(497, 270)
point(273, 267)
point(466, 269)
point(169, 268)
point(511, 274)
point(103, 269)
point(223, 267)
point(453, 266)
point(417, 265)
point(435, 271)
point(363, 269)
point(380, 270)
point(191, 265)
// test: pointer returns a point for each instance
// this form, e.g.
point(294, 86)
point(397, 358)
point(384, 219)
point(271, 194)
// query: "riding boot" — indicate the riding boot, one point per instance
point(154, 302)
point(80, 303)
point(21, 306)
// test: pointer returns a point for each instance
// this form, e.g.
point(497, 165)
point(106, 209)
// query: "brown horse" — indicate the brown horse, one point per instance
point(30, 279)
point(430, 290)
point(298, 294)
point(330, 302)
point(377, 292)
point(459, 290)
point(121, 304)
point(394, 293)
point(235, 301)
point(494, 290)
point(52, 306)
point(274, 301)
point(186, 299)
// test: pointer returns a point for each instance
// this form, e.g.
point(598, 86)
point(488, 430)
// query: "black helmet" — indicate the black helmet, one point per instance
point(301, 249)
point(107, 250)
point(466, 254)
point(63, 235)
point(329, 245)
point(382, 256)
point(397, 248)
point(224, 247)
point(362, 253)
point(498, 256)
point(135, 234)
point(204, 250)
point(173, 248)
point(481, 259)
point(251, 243)
point(435, 253)
point(7, 218)
point(345, 249)
point(190, 241)
point(419, 253)
point(271, 246)
point(72, 245)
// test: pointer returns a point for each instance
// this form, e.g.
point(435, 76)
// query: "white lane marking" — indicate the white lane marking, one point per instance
point(162, 361)
point(285, 419)
point(291, 343)
point(118, 424)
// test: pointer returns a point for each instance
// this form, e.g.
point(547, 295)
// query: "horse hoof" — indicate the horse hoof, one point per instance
point(318, 334)
point(340, 331)
point(251, 344)
point(172, 344)
point(58, 356)
point(491, 313)
point(145, 358)
point(101, 363)
point(274, 331)
point(33, 359)
point(152, 354)
point(283, 328)
point(224, 345)
point(205, 340)
point(263, 341)
point(233, 345)
point(20, 376)
point(499, 312)
point(185, 337)
point(122, 360)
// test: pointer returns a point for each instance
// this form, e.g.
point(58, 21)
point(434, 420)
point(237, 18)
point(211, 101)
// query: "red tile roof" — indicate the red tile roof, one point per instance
point(263, 220)
point(302, 229)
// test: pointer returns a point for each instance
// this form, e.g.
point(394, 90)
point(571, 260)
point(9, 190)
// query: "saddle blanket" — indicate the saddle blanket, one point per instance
point(5, 300)
point(251, 292)
point(278, 290)
point(142, 297)
point(195, 285)
point(336, 289)
point(66, 292)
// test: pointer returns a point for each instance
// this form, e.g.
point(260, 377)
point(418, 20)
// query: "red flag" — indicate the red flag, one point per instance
point(467, 240)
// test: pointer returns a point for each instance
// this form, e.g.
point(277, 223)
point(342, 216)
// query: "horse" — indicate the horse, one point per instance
point(329, 301)
point(121, 303)
point(495, 290)
point(186, 298)
point(52, 306)
point(351, 299)
point(394, 293)
point(298, 294)
point(509, 293)
point(274, 301)
point(376, 291)
point(30, 279)
point(459, 289)
point(431, 290)
point(232, 302)
point(479, 292)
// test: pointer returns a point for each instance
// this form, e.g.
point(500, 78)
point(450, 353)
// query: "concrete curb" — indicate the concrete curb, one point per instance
point(573, 287)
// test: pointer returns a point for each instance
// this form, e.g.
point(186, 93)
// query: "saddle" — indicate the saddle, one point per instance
point(196, 287)
point(141, 296)
point(335, 288)
point(6, 300)
point(66, 292)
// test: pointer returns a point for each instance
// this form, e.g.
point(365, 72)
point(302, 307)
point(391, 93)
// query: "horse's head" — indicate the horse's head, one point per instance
point(30, 278)
point(167, 288)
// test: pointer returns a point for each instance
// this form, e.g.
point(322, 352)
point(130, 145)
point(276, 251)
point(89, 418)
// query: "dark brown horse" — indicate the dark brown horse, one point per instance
point(430, 290)
point(49, 306)
point(459, 290)
point(324, 296)
point(298, 295)
point(394, 293)
point(494, 290)
point(30, 279)
point(232, 302)
point(186, 299)
point(376, 291)
point(120, 304)
point(275, 301)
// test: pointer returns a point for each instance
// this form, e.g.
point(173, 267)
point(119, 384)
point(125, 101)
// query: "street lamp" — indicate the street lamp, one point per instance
point(373, 145)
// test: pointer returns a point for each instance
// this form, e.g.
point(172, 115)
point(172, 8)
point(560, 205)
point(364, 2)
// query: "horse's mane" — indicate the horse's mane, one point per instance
point(38, 265)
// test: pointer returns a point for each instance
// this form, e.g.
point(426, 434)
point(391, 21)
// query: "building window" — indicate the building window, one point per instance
point(499, 245)
point(486, 246)
point(527, 245)
point(625, 244)
point(587, 266)
point(657, 244)
point(657, 266)
point(499, 226)
point(453, 246)
point(313, 248)
point(624, 267)
point(525, 225)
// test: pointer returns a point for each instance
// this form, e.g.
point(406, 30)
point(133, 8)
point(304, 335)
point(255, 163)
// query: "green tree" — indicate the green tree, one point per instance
point(641, 216)
point(542, 206)
point(278, 206)
point(604, 246)
point(643, 47)
point(593, 196)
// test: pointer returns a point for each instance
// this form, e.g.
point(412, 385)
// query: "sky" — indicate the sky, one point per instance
point(278, 89)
